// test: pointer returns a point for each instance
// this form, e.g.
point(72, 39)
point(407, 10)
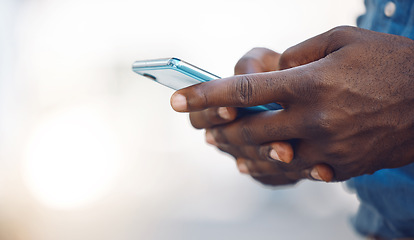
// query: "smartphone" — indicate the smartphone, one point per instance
point(177, 74)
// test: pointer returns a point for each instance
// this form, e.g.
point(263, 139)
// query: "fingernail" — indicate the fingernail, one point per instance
point(179, 102)
point(281, 152)
point(273, 154)
point(243, 168)
point(223, 112)
point(315, 174)
point(210, 139)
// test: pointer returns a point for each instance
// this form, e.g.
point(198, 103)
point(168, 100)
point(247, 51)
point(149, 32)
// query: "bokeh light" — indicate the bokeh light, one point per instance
point(71, 159)
point(90, 150)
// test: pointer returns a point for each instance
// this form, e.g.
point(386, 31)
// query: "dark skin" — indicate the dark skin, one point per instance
point(255, 61)
point(348, 98)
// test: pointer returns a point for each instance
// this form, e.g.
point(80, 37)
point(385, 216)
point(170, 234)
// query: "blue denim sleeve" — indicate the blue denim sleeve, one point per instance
point(387, 203)
point(387, 197)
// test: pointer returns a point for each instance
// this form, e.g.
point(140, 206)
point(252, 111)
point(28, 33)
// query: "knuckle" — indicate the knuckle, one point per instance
point(228, 149)
point(286, 59)
point(244, 89)
point(340, 31)
point(200, 99)
point(249, 152)
point(195, 120)
point(331, 122)
point(205, 118)
point(254, 169)
point(244, 63)
point(326, 125)
point(308, 89)
point(246, 134)
point(219, 136)
point(343, 175)
point(211, 116)
point(256, 60)
point(258, 50)
point(322, 124)
point(257, 53)
point(337, 151)
point(337, 36)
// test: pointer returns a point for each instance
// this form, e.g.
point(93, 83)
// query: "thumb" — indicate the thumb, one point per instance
point(317, 47)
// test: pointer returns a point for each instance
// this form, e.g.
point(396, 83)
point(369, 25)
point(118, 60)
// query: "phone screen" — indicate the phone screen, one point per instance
point(170, 78)
point(172, 72)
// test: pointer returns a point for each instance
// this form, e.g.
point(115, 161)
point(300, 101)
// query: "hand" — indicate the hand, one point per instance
point(349, 104)
point(256, 60)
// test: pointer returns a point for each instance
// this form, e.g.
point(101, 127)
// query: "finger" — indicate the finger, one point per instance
point(241, 165)
point(321, 172)
point(276, 180)
point(247, 66)
point(294, 177)
point(269, 173)
point(261, 128)
point(257, 60)
point(276, 152)
point(234, 151)
point(248, 90)
point(261, 166)
point(258, 168)
point(279, 151)
point(317, 47)
point(210, 139)
point(245, 152)
point(284, 86)
point(212, 116)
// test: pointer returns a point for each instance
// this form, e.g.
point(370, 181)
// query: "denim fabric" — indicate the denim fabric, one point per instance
point(387, 203)
point(401, 23)
point(387, 196)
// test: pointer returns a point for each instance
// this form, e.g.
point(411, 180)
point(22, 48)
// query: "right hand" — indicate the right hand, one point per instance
point(348, 104)
point(255, 61)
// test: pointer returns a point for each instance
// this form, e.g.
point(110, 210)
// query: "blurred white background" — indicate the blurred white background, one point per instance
point(90, 150)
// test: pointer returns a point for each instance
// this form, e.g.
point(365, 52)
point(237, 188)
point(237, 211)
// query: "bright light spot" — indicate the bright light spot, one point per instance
point(71, 159)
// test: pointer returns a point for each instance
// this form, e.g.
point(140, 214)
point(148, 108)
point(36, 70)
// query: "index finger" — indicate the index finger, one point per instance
point(244, 90)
